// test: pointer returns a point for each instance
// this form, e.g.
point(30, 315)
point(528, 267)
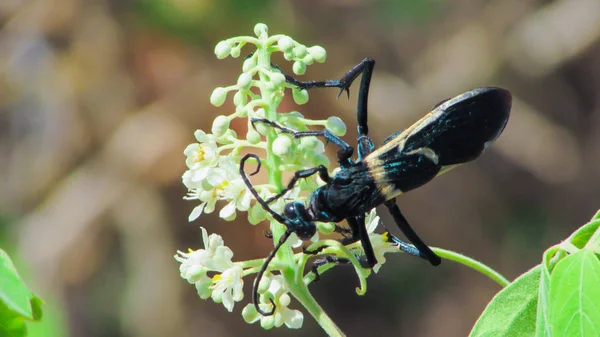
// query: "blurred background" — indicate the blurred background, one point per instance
point(99, 98)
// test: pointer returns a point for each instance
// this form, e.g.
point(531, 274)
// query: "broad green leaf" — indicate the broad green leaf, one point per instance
point(13, 292)
point(542, 328)
point(11, 323)
point(581, 236)
point(575, 296)
point(512, 311)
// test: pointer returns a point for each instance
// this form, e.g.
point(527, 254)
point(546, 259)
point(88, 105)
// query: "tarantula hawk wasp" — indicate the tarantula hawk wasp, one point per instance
point(456, 131)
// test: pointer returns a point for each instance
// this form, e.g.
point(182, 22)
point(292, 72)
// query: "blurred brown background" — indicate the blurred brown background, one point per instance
point(98, 99)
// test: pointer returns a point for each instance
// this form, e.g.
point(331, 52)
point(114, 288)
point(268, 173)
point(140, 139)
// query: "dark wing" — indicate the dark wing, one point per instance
point(459, 129)
point(455, 132)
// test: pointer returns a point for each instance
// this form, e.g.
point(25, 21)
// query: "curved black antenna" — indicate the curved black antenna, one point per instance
point(254, 192)
point(262, 271)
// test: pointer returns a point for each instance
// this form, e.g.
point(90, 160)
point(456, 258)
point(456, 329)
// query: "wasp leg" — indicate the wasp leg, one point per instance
point(343, 154)
point(424, 250)
point(359, 232)
point(326, 260)
point(321, 170)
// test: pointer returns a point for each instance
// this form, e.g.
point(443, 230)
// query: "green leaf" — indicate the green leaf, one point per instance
point(575, 296)
point(542, 328)
point(13, 291)
point(581, 236)
point(512, 311)
point(11, 323)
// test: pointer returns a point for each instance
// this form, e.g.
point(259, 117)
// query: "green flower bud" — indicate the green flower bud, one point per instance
point(318, 53)
point(277, 79)
point(282, 145)
point(262, 128)
point(300, 51)
point(256, 214)
point(253, 137)
point(261, 30)
point(240, 98)
point(235, 52)
point(321, 159)
point(218, 96)
point(308, 143)
point(326, 227)
point(308, 59)
point(336, 126)
point(299, 68)
point(268, 322)
point(249, 64)
point(220, 126)
point(249, 313)
point(244, 81)
point(288, 55)
point(223, 49)
point(300, 96)
point(285, 44)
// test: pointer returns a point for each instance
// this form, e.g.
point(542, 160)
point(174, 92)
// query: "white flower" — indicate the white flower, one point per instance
point(233, 189)
point(200, 157)
point(226, 285)
point(278, 291)
point(380, 243)
point(217, 179)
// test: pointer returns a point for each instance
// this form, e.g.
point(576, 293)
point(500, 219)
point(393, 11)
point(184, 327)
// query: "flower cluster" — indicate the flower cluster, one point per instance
point(212, 176)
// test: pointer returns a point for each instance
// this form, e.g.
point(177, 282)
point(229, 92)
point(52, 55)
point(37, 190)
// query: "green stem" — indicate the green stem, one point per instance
point(473, 264)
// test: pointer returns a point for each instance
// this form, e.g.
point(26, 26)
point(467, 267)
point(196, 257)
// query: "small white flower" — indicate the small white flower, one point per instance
point(225, 286)
point(233, 189)
point(278, 291)
point(380, 243)
point(201, 157)
point(228, 285)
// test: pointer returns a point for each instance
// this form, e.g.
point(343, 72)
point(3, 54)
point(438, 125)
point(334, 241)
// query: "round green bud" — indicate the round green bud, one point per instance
point(253, 137)
point(300, 51)
point(308, 143)
point(288, 55)
point(285, 44)
point(220, 125)
point(268, 322)
point(321, 159)
point(240, 98)
point(235, 52)
point(263, 286)
point(300, 96)
point(223, 49)
point(299, 68)
point(261, 30)
point(282, 145)
point(326, 227)
point(336, 126)
point(308, 59)
point(262, 128)
point(277, 79)
point(218, 96)
point(318, 53)
point(230, 134)
point(244, 81)
point(256, 214)
point(249, 313)
point(249, 64)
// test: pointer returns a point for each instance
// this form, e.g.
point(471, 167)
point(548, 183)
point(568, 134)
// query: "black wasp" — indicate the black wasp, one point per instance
point(456, 131)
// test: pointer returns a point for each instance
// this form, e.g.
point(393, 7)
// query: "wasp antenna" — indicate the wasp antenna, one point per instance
point(262, 271)
point(260, 200)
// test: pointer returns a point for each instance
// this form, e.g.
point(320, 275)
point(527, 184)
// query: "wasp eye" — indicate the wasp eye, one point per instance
point(290, 211)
